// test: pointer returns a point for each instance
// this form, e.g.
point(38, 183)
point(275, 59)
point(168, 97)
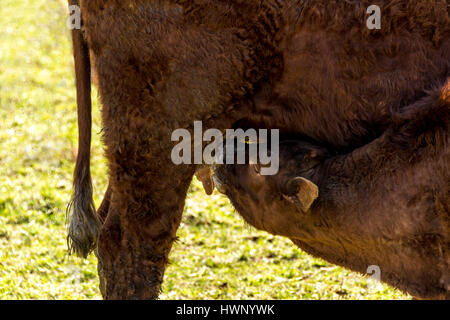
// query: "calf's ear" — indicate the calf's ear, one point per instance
point(301, 192)
point(204, 175)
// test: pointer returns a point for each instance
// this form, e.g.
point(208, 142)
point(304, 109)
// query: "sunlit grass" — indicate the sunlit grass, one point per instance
point(217, 256)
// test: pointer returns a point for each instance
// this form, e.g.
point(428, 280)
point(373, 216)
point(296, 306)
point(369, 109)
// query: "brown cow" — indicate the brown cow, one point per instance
point(311, 67)
point(386, 204)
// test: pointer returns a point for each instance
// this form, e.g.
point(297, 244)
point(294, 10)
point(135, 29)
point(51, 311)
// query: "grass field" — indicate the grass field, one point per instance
point(217, 257)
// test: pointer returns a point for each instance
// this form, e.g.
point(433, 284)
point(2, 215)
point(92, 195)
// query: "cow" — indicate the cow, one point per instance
point(385, 204)
point(306, 67)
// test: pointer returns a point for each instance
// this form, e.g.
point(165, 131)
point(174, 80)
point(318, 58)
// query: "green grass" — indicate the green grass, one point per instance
point(217, 257)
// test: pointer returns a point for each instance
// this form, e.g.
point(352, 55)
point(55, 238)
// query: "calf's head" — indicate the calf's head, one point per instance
point(275, 203)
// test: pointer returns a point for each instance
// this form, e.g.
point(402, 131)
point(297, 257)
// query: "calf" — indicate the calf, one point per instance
point(384, 204)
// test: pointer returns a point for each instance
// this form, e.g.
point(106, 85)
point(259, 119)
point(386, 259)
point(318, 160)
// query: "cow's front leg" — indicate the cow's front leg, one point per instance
point(146, 205)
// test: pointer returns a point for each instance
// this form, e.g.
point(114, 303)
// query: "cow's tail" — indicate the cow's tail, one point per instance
point(84, 224)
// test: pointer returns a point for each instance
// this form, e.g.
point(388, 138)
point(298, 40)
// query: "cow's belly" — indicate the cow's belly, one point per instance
point(339, 90)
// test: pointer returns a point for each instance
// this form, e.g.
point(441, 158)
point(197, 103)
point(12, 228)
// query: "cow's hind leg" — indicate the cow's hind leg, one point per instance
point(145, 209)
point(102, 214)
point(102, 211)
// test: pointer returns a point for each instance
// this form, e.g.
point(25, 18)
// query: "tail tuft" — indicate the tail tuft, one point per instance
point(84, 224)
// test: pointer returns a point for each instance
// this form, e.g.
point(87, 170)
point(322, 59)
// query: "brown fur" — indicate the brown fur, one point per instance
point(310, 67)
point(384, 204)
